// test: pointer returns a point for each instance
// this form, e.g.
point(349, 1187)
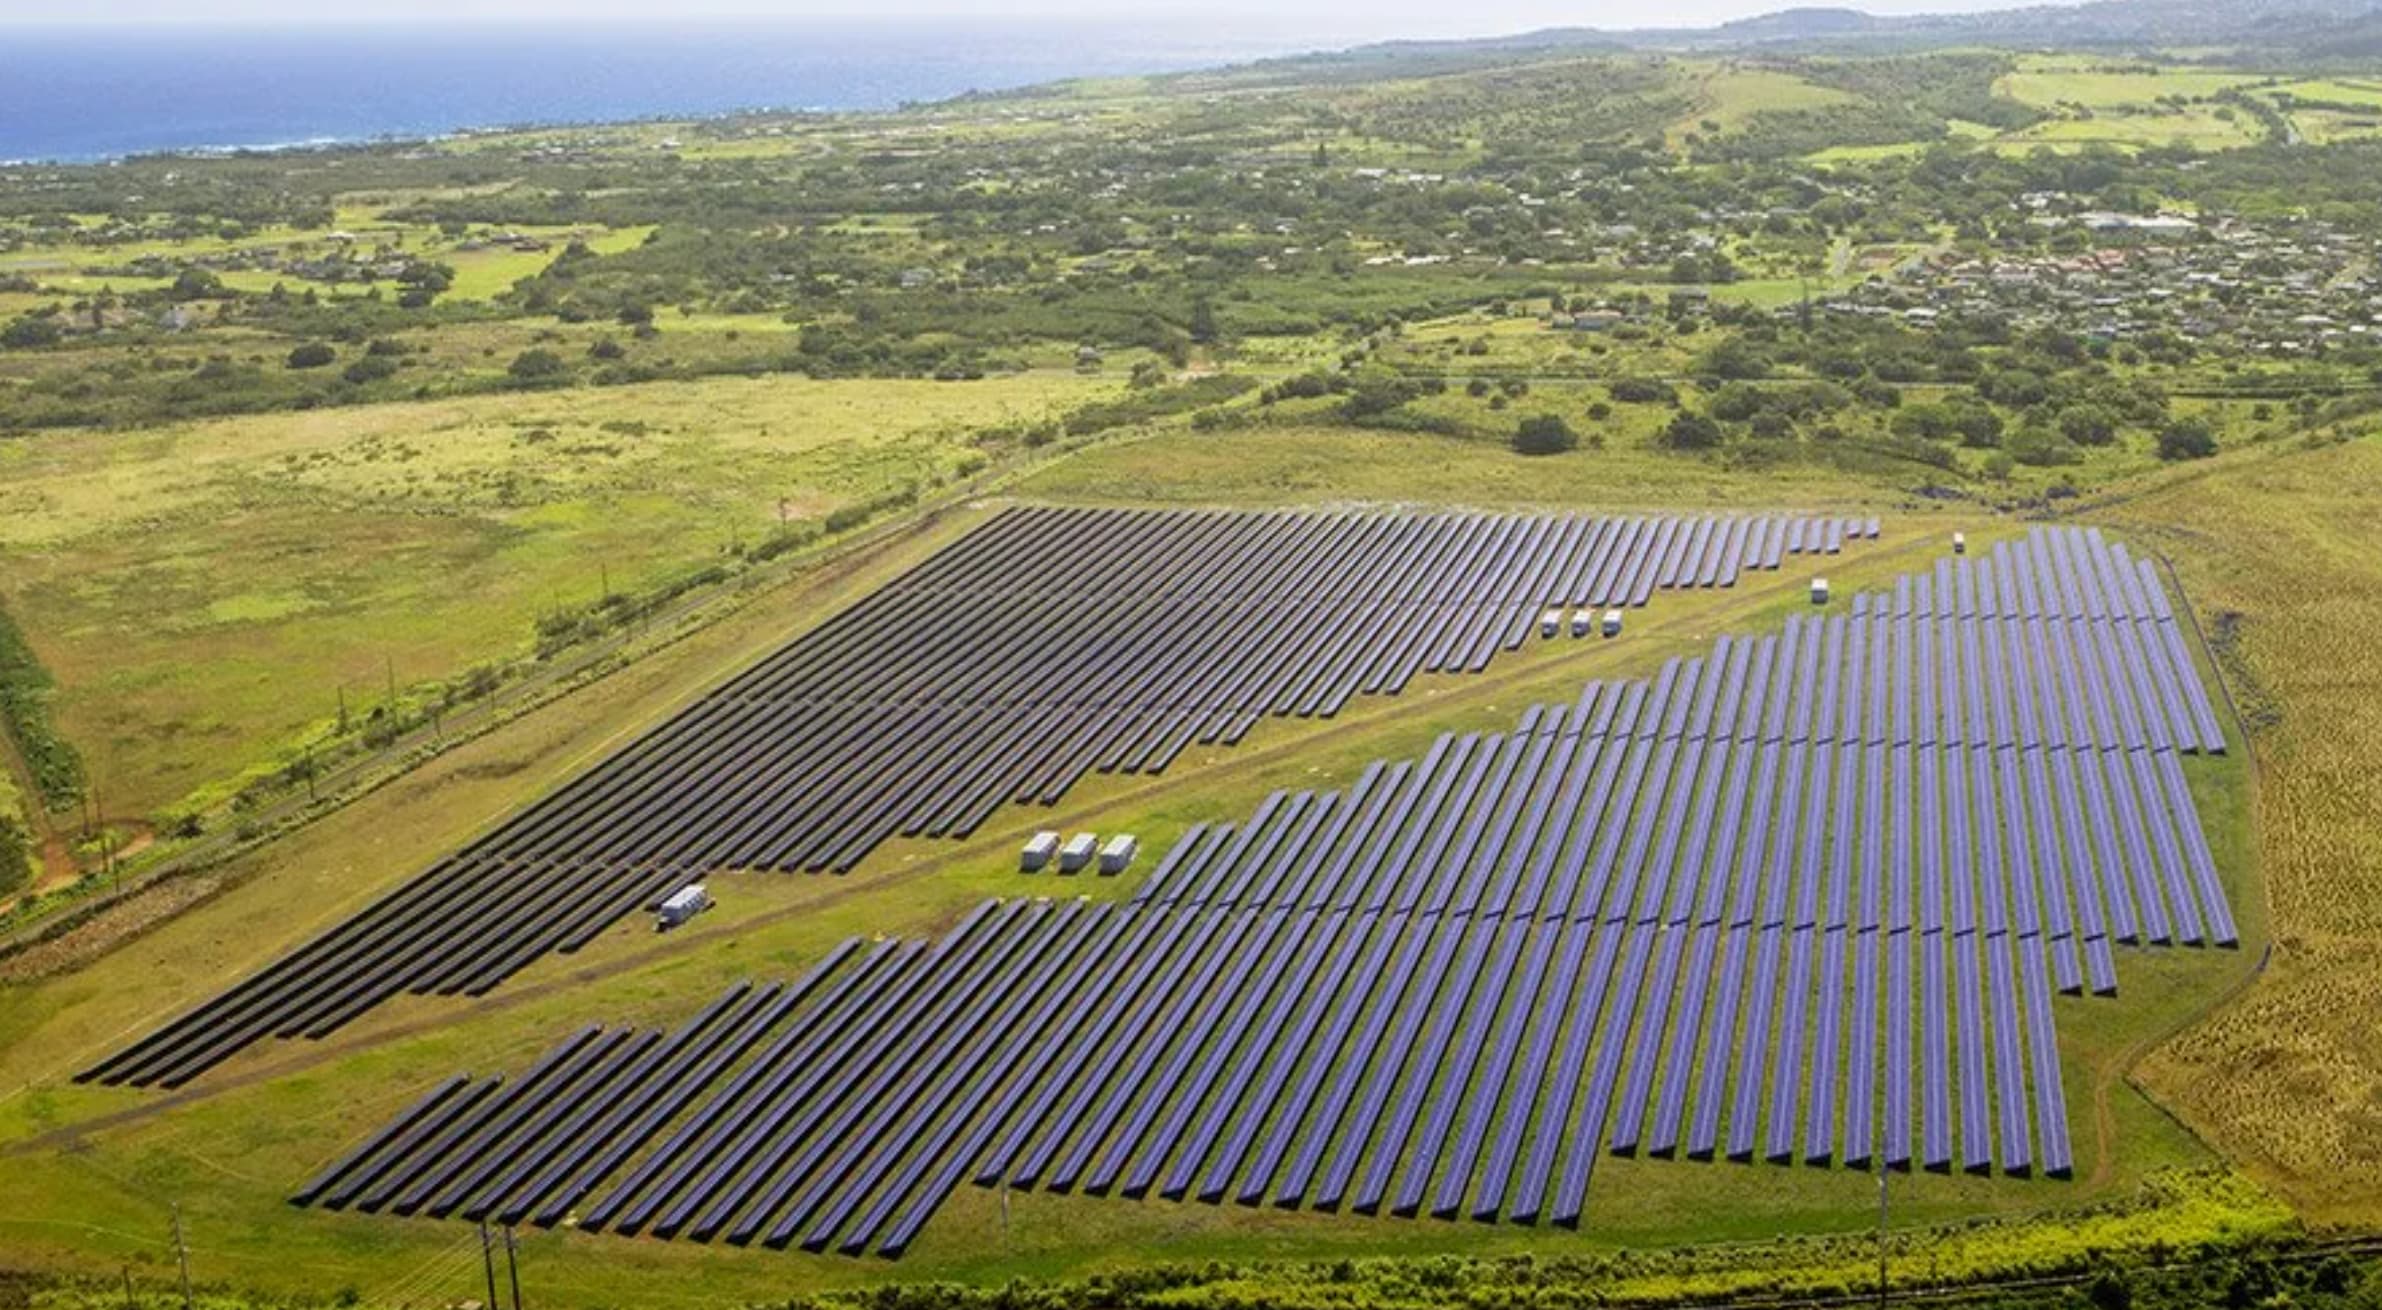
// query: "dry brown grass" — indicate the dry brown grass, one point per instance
point(2282, 558)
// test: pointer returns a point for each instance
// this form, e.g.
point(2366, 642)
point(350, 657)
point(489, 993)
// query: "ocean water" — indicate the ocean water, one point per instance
point(69, 93)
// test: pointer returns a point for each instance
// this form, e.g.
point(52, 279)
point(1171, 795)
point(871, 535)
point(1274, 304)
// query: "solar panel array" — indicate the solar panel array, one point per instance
point(1805, 899)
point(484, 1149)
point(1045, 645)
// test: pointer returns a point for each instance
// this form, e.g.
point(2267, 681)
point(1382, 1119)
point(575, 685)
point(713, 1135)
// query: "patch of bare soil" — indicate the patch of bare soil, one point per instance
point(94, 937)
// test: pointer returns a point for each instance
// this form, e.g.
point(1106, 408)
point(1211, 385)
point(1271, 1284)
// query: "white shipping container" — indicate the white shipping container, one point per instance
point(1078, 852)
point(1819, 591)
point(1612, 623)
point(1582, 622)
point(1038, 851)
point(1118, 853)
point(1550, 623)
point(682, 905)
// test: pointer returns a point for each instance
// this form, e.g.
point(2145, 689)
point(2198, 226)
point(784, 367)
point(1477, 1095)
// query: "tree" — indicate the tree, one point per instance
point(2190, 438)
point(1691, 432)
point(2088, 425)
point(1378, 390)
point(536, 366)
point(1735, 403)
point(1544, 434)
point(1733, 359)
point(195, 284)
point(313, 354)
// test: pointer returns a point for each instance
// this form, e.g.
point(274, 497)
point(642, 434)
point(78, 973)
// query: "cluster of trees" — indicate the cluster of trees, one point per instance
point(25, 687)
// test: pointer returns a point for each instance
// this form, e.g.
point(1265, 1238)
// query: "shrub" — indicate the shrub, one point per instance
point(313, 354)
point(1642, 391)
point(32, 330)
point(536, 366)
point(2190, 438)
point(371, 368)
point(1691, 432)
point(1544, 434)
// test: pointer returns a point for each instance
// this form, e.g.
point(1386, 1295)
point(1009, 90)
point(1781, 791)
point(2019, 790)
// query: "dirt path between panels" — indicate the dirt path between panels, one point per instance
point(1368, 715)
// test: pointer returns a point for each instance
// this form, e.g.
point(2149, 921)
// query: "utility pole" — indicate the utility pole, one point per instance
point(1881, 1230)
point(182, 1254)
point(488, 1262)
point(513, 1266)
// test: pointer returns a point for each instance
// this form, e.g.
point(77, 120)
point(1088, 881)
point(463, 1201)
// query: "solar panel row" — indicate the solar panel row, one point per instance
point(1745, 907)
point(483, 1149)
point(1045, 645)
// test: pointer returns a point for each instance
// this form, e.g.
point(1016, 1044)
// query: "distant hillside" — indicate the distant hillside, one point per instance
point(2301, 29)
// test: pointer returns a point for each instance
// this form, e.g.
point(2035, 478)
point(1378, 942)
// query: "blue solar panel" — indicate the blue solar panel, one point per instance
point(1690, 913)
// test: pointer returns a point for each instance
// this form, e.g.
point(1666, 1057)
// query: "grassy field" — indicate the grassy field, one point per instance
point(1727, 97)
point(267, 1119)
point(2198, 126)
point(1321, 464)
point(2326, 110)
point(480, 273)
point(2275, 548)
point(205, 591)
point(2051, 80)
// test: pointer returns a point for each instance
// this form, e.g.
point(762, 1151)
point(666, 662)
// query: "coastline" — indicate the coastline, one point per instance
point(76, 96)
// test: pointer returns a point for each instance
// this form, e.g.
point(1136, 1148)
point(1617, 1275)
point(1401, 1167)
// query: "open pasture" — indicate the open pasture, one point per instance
point(484, 262)
point(2050, 81)
point(1727, 97)
point(223, 582)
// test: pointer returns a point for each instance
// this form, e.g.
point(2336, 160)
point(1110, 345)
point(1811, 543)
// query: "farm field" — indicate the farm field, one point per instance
point(2196, 128)
point(482, 269)
point(227, 582)
point(2054, 80)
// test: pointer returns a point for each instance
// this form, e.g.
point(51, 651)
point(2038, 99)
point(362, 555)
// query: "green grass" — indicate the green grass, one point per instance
point(2047, 81)
point(204, 591)
point(230, 1156)
point(2199, 127)
point(479, 274)
point(1726, 98)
